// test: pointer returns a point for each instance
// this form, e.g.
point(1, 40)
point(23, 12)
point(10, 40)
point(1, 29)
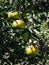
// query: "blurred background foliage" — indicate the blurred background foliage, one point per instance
point(35, 13)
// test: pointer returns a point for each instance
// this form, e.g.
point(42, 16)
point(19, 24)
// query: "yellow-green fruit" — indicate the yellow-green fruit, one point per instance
point(13, 15)
point(14, 24)
point(33, 50)
point(25, 36)
point(28, 50)
point(18, 24)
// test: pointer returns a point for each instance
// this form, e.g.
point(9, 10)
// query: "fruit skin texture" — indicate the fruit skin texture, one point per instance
point(25, 36)
point(28, 50)
point(13, 15)
point(18, 24)
point(31, 50)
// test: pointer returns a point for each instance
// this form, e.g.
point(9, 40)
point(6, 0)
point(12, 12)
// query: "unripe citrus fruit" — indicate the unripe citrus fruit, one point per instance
point(28, 50)
point(18, 24)
point(25, 35)
point(13, 15)
point(33, 50)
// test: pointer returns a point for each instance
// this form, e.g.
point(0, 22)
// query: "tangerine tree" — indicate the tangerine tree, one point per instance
point(24, 32)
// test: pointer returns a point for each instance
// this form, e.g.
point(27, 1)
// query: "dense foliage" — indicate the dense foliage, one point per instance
point(34, 30)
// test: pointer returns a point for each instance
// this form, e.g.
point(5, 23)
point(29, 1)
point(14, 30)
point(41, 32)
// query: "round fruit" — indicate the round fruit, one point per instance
point(18, 24)
point(14, 24)
point(13, 15)
point(25, 35)
point(28, 50)
point(33, 50)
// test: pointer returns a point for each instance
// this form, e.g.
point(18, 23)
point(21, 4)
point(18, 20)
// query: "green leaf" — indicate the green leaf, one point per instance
point(1, 3)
